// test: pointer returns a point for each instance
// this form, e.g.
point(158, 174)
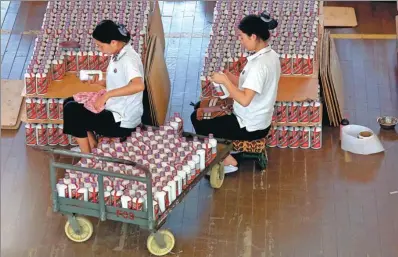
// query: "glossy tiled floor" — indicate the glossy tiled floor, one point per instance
point(308, 203)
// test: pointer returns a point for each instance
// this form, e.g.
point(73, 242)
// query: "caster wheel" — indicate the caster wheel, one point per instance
point(86, 230)
point(161, 244)
point(217, 175)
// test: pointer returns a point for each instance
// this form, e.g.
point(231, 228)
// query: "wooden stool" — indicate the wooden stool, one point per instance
point(255, 149)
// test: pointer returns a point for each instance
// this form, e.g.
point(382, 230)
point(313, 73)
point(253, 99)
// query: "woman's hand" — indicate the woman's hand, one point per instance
point(219, 77)
point(101, 101)
point(234, 79)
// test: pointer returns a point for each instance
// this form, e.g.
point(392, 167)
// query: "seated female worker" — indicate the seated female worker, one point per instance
point(124, 92)
point(254, 91)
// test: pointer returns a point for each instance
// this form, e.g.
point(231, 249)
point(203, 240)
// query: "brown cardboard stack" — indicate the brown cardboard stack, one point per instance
point(331, 80)
point(157, 82)
point(11, 102)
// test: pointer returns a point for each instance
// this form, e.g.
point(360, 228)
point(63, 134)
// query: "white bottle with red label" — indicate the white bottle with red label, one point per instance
point(207, 147)
point(150, 131)
point(196, 159)
point(213, 143)
point(126, 200)
point(174, 124)
point(107, 198)
point(192, 166)
point(138, 202)
point(167, 190)
point(72, 188)
point(62, 189)
point(167, 127)
point(31, 136)
point(178, 180)
point(67, 179)
point(173, 187)
point(82, 193)
point(202, 157)
point(160, 197)
point(180, 121)
point(183, 175)
point(93, 193)
point(168, 171)
point(196, 142)
point(155, 207)
point(187, 171)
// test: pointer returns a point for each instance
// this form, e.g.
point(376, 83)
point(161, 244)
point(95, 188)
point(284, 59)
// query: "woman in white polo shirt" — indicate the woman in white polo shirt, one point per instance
point(254, 91)
point(124, 92)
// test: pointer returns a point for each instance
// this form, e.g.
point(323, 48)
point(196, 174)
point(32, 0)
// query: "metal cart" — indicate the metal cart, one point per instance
point(80, 229)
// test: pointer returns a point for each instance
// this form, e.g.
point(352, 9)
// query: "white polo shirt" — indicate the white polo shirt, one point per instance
point(122, 68)
point(261, 74)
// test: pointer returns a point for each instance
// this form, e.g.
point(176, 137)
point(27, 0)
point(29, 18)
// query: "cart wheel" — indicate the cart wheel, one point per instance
point(86, 230)
point(217, 175)
point(160, 243)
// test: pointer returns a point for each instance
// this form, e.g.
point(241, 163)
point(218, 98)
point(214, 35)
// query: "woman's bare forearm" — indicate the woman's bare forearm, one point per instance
point(136, 85)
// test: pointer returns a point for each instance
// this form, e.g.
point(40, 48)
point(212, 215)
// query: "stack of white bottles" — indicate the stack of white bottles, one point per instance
point(173, 161)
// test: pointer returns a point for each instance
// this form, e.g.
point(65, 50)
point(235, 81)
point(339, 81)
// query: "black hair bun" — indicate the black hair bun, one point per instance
point(266, 17)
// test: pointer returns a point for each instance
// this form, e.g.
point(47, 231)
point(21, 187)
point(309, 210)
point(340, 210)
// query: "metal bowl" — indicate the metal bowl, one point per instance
point(387, 122)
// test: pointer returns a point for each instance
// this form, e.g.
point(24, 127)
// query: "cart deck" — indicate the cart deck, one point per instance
point(80, 229)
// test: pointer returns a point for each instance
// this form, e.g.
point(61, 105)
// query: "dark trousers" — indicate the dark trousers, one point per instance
point(226, 127)
point(78, 121)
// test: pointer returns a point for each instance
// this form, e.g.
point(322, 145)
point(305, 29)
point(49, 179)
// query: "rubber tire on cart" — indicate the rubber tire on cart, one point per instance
point(217, 175)
point(86, 230)
point(153, 245)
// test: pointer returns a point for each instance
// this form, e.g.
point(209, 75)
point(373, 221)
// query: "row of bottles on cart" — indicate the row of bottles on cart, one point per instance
point(173, 161)
point(295, 137)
